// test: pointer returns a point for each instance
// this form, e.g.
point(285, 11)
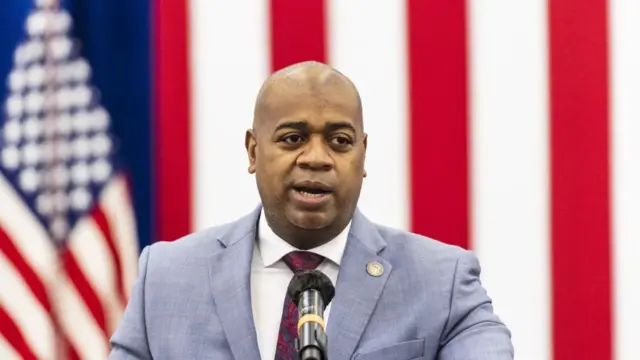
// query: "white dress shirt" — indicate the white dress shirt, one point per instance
point(270, 278)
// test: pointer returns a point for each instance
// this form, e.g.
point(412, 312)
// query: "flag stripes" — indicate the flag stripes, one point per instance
point(172, 133)
point(117, 277)
point(509, 165)
point(25, 322)
point(493, 126)
point(297, 31)
point(12, 341)
point(226, 78)
point(365, 48)
point(624, 47)
point(579, 142)
point(438, 133)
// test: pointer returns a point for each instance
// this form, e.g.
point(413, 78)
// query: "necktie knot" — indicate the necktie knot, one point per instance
point(302, 260)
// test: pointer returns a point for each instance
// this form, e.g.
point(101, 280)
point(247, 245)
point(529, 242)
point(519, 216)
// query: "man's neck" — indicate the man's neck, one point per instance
point(305, 239)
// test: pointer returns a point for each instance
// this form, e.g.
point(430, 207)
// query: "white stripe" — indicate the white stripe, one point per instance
point(625, 105)
point(78, 324)
point(25, 310)
point(229, 62)
point(7, 351)
point(510, 189)
point(117, 208)
point(89, 248)
point(369, 47)
point(19, 223)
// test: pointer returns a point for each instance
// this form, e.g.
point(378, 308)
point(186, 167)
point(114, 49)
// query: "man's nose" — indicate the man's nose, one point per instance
point(316, 155)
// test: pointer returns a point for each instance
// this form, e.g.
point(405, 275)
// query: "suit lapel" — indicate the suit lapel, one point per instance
point(229, 276)
point(357, 292)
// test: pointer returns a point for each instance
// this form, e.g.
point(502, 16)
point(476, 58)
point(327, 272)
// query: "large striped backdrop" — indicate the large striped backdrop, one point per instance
point(511, 128)
point(508, 127)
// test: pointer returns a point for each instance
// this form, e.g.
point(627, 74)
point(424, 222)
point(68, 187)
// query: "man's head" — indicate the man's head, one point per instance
point(307, 148)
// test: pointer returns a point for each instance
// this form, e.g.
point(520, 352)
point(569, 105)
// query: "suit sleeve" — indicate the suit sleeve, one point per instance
point(473, 331)
point(130, 342)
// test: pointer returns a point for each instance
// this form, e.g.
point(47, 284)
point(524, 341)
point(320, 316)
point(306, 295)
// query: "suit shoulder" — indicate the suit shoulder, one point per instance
point(189, 247)
point(419, 248)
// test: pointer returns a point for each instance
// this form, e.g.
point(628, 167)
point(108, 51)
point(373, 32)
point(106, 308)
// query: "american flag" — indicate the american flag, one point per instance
point(508, 127)
point(68, 244)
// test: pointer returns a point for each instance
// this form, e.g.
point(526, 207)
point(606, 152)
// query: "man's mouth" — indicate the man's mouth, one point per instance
point(312, 189)
point(310, 192)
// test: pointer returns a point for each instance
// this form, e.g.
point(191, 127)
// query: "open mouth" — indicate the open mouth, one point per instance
point(311, 191)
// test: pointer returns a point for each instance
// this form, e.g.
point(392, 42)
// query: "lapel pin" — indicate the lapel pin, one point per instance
point(375, 268)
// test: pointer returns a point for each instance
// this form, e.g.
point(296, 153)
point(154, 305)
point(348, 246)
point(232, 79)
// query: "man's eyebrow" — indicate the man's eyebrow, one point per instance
point(304, 126)
point(297, 125)
point(332, 126)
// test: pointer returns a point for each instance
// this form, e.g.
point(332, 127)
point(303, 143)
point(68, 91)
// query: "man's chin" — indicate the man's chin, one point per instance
point(309, 220)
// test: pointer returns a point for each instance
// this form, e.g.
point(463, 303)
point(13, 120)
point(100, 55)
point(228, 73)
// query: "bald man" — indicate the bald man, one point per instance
point(221, 293)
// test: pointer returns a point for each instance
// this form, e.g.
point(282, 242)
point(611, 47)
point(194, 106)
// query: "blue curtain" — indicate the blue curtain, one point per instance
point(115, 37)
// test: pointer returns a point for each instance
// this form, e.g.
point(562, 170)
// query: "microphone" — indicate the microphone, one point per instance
point(311, 291)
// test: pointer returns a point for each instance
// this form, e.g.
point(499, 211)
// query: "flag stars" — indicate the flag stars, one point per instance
point(17, 80)
point(35, 102)
point(63, 150)
point(60, 47)
point(44, 204)
point(62, 22)
point(81, 96)
point(80, 70)
point(80, 174)
point(64, 124)
point(40, 23)
point(81, 125)
point(31, 51)
point(60, 176)
point(60, 202)
point(47, 152)
point(36, 23)
point(14, 105)
point(11, 157)
point(36, 76)
point(59, 227)
point(46, 4)
point(101, 144)
point(64, 98)
point(12, 131)
point(80, 199)
point(29, 180)
point(81, 147)
point(99, 119)
point(31, 154)
point(32, 128)
point(100, 171)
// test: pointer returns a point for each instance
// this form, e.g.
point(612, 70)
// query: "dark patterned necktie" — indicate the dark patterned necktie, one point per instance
point(286, 349)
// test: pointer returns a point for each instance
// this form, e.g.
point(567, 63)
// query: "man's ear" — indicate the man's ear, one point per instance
point(364, 142)
point(250, 144)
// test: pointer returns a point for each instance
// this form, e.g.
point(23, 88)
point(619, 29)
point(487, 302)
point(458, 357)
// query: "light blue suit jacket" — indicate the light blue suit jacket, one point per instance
point(192, 300)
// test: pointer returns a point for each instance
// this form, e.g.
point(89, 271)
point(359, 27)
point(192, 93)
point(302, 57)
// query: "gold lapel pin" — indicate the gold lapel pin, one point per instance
point(375, 268)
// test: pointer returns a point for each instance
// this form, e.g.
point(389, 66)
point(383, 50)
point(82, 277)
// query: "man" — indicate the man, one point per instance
point(220, 293)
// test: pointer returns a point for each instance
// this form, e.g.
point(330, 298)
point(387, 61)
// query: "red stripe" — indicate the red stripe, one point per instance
point(173, 117)
point(580, 225)
point(29, 276)
point(438, 126)
point(101, 221)
point(297, 32)
point(85, 290)
point(9, 330)
point(69, 351)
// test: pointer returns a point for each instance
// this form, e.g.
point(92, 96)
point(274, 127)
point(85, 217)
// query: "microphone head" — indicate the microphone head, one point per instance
point(311, 279)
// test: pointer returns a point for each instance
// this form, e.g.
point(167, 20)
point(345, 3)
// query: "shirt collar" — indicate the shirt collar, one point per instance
point(273, 248)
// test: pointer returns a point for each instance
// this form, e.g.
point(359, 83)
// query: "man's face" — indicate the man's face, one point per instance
point(308, 155)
